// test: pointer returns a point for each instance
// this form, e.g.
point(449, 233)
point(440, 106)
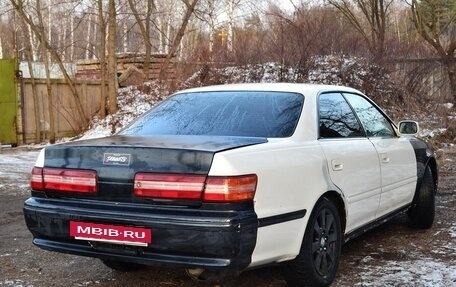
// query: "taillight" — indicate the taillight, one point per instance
point(69, 180)
point(36, 181)
point(169, 186)
point(230, 188)
point(194, 187)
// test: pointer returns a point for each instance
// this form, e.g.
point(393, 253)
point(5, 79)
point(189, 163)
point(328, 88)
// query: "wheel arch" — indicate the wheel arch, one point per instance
point(338, 201)
point(432, 163)
point(425, 158)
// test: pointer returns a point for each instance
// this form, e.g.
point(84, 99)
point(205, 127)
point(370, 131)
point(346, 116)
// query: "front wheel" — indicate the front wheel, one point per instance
point(318, 260)
point(422, 212)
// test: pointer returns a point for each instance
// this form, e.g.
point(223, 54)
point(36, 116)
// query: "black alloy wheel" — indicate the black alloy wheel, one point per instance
point(325, 242)
point(318, 260)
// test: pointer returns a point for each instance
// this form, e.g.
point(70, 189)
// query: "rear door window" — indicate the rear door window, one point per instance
point(336, 118)
point(230, 113)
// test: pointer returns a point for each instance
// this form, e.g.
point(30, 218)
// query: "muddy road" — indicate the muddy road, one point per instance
point(391, 255)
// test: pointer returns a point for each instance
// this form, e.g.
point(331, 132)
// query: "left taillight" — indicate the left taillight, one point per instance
point(65, 180)
point(36, 181)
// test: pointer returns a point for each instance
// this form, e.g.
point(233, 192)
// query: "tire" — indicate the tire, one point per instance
point(422, 212)
point(122, 266)
point(318, 259)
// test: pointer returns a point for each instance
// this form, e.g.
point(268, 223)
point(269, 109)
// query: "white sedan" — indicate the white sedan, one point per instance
point(223, 179)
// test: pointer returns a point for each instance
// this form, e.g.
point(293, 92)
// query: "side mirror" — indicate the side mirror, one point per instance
point(408, 128)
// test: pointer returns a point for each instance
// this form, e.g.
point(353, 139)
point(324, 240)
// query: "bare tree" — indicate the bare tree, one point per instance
point(102, 56)
point(42, 35)
point(436, 23)
point(369, 18)
point(144, 26)
point(19, 7)
point(230, 13)
point(112, 57)
point(190, 4)
point(28, 52)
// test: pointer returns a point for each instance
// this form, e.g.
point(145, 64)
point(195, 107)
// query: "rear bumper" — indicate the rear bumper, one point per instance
point(181, 237)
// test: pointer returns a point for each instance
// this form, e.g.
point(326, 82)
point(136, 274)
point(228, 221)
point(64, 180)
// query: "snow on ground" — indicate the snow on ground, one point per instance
point(420, 272)
point(453, 233)
point(132, 102)
point(374, 270)
point(336, 70)
point(15, 169)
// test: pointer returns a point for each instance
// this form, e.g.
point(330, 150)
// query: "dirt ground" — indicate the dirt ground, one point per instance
point(391, 255)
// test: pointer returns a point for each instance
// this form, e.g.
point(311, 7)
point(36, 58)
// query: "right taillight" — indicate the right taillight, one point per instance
point(196, 187)
point(230, 188)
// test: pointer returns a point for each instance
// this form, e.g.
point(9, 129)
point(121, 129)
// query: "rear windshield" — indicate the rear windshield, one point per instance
point(251, 114)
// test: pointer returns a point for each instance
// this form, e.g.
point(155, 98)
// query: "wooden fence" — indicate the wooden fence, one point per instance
point(66, 118)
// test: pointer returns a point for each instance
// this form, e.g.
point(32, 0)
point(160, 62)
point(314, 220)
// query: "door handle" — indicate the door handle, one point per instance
point(337, 166)
point(385, 158)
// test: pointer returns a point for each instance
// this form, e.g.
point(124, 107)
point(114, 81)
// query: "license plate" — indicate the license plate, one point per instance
point(117, 234)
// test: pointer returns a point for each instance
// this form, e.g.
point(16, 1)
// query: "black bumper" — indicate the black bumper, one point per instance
point(182, 237)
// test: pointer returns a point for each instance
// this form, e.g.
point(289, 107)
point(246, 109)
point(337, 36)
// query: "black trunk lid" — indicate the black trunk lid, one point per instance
point(117, 159)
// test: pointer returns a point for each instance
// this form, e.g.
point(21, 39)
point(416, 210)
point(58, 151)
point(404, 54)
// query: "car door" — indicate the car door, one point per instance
point(396, 155)
point(351, 159)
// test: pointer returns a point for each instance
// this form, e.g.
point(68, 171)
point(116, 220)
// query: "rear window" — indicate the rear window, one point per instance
point(251, 114)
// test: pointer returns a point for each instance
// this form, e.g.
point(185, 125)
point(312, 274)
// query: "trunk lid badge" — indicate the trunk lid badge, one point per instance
point(116, 159)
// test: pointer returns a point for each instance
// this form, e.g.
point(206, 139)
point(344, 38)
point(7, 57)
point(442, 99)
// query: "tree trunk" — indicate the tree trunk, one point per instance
point(450, 65)
point(112, 58)
point(71, 37)
point(212, 18)
point(18, 6)
point(145, 32)
point(88, 35)
point(1, 47)
point(102, 58)
point(63, 35)
point(178, 37)
point(48, 72)
point(432, 21)
point(229, 40)
point(369, 18)
point(29, 57)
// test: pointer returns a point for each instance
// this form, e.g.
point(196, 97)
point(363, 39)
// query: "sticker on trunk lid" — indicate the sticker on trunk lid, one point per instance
point(116, 159)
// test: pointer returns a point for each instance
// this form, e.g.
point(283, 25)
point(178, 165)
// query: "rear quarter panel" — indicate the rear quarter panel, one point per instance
point(292, 175)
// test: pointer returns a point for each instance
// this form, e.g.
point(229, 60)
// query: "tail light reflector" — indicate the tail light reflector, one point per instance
point(36, 181)
point(69, 180)
point(169, 186)
point(230, 188)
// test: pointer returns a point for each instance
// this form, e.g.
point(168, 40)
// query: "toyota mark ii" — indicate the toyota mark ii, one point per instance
point(222, 179)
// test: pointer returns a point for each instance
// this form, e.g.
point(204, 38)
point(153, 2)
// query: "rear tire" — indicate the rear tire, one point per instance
point(422, 213)
point(318, 260)
point(122, 266)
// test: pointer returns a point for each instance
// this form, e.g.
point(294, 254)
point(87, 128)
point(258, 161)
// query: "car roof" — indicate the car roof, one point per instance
point(306, 89)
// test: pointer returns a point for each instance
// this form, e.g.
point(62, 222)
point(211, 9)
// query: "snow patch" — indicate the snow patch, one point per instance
point(132, 102)
point(422, 272)
point(453, 230)
point(15, 171)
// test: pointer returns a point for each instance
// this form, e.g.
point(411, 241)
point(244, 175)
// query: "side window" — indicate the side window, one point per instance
point(373, 121)
point(337, 119)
